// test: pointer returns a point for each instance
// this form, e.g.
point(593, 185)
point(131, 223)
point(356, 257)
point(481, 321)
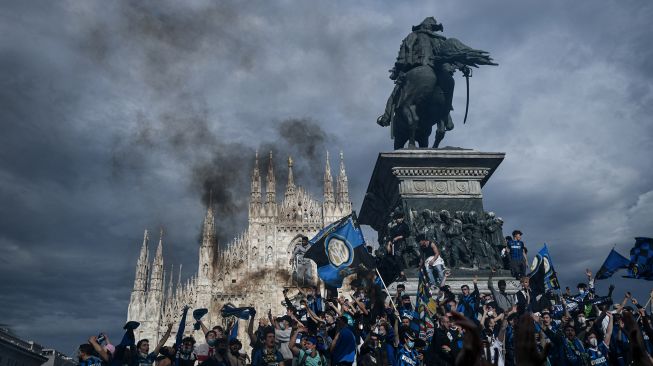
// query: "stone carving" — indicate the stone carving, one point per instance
point(466, 239)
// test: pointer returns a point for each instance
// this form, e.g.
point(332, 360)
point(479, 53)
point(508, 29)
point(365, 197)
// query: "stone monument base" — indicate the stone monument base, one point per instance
point(460, 277)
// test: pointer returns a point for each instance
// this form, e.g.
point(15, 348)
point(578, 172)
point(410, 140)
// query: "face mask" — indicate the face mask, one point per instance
point(490, 313)
point(581, 321)
point(282, 326)
point(186, 349)
point(410, 344)
point(221, 351)
point(593, 342)
point(210, 342)
point(581, 291)
point(302, 307)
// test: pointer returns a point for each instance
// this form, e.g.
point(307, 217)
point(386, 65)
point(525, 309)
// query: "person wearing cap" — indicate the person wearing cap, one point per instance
point(308, 355)
point(407, 356)
point(282, 333)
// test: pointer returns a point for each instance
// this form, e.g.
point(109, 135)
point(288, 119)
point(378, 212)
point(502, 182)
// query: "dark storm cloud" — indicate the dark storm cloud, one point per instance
point(120, 116)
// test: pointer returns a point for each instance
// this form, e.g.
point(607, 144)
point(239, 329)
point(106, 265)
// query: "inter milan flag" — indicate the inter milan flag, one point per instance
point(338, 250)
point(612, 264)
point(543, 276)
point(641, 259)
point(425, 305)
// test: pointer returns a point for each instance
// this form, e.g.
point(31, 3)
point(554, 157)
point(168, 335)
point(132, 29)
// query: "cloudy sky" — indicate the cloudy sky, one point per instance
point(121, 116)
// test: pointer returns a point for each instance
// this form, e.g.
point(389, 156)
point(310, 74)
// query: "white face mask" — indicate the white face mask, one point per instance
point(581, 291)
point(593, 342)
point(490, 313)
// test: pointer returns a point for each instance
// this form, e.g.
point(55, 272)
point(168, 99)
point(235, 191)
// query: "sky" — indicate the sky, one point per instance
point(122, 116)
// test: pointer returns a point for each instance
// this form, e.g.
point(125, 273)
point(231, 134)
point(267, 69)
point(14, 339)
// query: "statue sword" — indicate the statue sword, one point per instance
point(467, 72)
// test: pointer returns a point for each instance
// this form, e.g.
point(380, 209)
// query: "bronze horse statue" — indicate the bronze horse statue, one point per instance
point(424, 81)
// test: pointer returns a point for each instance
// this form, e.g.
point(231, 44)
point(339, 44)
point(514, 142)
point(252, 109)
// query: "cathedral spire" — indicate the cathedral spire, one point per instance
point(256, 182)
point(270, 187)
point(170, 276)
point(329, 197)
point(140, 280)
point(154, 302)
point(208, 229)
point(343, 184)
point(290, 187)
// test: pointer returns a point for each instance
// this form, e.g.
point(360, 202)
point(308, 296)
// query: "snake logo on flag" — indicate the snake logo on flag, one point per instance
point(338, 251)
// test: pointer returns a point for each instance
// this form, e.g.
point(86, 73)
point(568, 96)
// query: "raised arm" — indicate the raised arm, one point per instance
point(205, 329)
point(250, 330)
point(293, 338)
point(98, 348)
point(163, 340)
point(608, 332)
point(182, 326)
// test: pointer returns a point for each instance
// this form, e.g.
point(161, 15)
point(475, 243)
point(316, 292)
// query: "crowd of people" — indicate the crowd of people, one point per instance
point(371, 326)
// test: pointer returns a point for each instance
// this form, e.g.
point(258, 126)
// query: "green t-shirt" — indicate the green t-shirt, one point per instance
point(310, 361)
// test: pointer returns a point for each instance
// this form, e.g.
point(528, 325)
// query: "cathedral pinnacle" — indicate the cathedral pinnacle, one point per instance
point(255, 197)
point(290, 187)
point(343, 183)
point(329, 197)
point(270, 188)
point(208, 231)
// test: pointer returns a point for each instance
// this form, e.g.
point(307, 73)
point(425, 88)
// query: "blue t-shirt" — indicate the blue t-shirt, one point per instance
point(407, 358)
point(263, 358)
point(345, 349)
point(517, 250)
point(598, 355)
point(91, 361)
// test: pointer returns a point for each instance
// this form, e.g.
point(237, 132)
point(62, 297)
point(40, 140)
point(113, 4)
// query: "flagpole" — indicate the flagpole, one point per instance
point(386, 290)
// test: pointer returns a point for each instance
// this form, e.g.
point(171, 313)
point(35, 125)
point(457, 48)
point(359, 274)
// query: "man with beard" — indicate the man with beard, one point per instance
point(234, 356)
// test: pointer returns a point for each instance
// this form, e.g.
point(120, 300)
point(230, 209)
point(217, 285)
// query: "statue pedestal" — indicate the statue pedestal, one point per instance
point(439, 191)
point(438, 179)
point(459, 278)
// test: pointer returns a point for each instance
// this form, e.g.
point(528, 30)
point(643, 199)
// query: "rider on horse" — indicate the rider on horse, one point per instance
point(420, 48)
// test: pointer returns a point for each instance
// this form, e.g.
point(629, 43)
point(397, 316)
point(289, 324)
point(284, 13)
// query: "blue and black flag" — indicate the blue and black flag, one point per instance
point(612, 264)
point(641, 259)
point(339, 250)
point(543, 276)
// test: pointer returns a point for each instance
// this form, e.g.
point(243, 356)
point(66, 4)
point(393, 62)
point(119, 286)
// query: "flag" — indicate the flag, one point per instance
point(612, 264)
point(338, 250)
point(425, 306)
point(229, 309)
point(234, 331)
point(641, 259)
point(543, 276)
